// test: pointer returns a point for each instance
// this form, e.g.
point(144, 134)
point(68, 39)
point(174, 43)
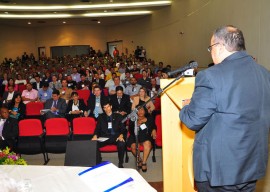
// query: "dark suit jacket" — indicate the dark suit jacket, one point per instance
point(230, 110)
point(5, 95)
point(125, 104)
point(61, 106)
point(92, 102)
point(101, 82)
point(82, 106)
point(102, 125)
point(11, 131)
point(35, 85)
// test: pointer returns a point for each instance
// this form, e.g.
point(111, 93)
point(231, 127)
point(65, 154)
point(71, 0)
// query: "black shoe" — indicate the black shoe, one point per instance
point(120, 165)
point(144, 165)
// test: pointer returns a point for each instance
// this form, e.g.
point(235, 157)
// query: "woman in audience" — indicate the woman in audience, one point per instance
point(16, 107)
point(60, 77)
point(11, 82)
point(142, 98)
point(76, 107)
point(19, 80)
point(146, 134)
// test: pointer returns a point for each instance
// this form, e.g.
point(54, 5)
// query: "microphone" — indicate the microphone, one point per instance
point(182, 69)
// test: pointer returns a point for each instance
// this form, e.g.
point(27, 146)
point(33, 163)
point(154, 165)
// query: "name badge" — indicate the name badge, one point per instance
point(97, 104)
point(63, 92)
point(27, 94)
point(82, 85)
point(74, 78)
point(143, 126)
point(153, 89)
point(109, 125)
point(69, 84)
point(45, 94)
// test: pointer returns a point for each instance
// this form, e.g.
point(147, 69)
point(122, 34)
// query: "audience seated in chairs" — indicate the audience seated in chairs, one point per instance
point(109, 125)
point(95, 102)
point(146, 134)
point(120, 102)
point(30, 94)
point(65, 91)
point(17, 108)
point(143, 97)
point(75, 108)
point(56, 106)
point(8, 130)
point(8, 95)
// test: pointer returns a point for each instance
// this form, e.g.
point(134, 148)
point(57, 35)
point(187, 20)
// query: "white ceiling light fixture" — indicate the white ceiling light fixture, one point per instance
point(35, 16)
point(83, 7)
point(123, 13)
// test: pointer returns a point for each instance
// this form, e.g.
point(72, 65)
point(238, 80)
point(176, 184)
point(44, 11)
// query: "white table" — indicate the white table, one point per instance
point(64, 178)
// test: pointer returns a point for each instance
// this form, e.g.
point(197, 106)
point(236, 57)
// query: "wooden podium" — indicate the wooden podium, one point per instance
point(177, 139)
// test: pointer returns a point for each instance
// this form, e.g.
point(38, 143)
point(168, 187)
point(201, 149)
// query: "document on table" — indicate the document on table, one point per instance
point(105, 177)
point(102, 139)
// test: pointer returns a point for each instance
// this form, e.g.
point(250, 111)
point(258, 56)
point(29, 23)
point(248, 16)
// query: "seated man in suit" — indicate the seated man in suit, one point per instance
point(94, 102)
point(109, 125)
point(56, 105)
point(38, 84)
point(97, 79)
point(8, 95)
point(120, 102)
point(9, 130)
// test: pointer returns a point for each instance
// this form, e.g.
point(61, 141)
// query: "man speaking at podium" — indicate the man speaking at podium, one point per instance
point(230, 113)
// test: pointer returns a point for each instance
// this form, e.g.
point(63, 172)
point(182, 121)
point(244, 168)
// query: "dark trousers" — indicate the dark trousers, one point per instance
point(244, 187)
point(121, 146)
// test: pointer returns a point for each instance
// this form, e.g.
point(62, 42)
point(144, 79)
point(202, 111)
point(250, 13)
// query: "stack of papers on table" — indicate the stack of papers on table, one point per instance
point(105, 177)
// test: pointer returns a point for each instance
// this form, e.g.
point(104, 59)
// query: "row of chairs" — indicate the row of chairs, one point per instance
point(33, 140)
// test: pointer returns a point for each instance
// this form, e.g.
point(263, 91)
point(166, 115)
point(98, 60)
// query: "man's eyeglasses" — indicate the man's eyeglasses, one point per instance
point(211, 47)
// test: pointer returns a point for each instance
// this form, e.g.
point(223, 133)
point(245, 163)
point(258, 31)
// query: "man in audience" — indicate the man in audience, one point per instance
point(38, 84)
point(8, 95)
point(117, 82)
point(75, 75)
point(9, 130)
point(56, 105)
point(145, 81)
point(110, 82)
point(120, 102)
point(125, 78)
point(101, 82)
point(95, 102)
point(83, 84)
point(45, 93)
point(65, 92)
point(30, 94)
point(133, 89)
point(109, 125)
point(54, 84)
point(153, 88)
point(70, 83)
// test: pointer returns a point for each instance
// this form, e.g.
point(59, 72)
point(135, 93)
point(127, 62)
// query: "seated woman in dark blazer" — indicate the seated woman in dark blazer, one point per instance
point(146, 133)
point(16, 107)
point(76, 107)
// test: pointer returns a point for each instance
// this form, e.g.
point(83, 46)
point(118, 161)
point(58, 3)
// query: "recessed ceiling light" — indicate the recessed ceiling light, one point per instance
point(98, 22)
point(29, 23)
point(64, 22)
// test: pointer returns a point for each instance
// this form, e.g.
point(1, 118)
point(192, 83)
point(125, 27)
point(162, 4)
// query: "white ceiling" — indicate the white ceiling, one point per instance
point(7, 5)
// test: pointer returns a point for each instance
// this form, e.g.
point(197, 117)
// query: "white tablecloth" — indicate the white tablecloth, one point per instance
point(64, 178)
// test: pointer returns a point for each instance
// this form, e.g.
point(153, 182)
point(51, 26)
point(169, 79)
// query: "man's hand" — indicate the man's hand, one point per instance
point(120, 138)
point(94, 138)
point(185, 102)
point(53, 109)
point(154, 134)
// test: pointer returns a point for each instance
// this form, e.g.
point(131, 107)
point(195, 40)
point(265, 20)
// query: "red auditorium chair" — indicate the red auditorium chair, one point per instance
point(33, 109)
point(138, 76)
point(159, 131)
point(21, 88)
point(83, 128)
point(57, 135)
point(106, 91)
point(84, 94)
point(31, 138)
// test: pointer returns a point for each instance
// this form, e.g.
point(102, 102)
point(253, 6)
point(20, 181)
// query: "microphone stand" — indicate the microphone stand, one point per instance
point(133, 116)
